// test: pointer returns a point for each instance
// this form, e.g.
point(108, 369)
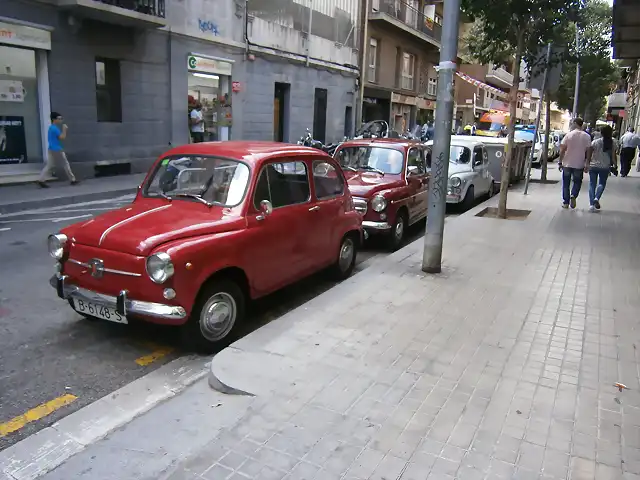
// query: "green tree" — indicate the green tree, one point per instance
point(598, 74)
point(516, 30)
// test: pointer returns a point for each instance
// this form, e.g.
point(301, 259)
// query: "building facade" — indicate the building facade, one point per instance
point(125, 74)
point(402, 49)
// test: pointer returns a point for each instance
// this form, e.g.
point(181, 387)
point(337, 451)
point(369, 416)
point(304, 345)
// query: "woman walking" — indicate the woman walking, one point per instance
point(603, 159)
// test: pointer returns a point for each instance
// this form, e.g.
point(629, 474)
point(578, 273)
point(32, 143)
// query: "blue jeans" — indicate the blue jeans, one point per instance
point(569, 173)
point(597, 182)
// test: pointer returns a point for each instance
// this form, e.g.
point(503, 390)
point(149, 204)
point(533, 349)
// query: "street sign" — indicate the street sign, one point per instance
point(536, 71)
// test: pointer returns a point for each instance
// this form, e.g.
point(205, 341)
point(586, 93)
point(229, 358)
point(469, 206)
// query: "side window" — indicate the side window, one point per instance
point(477, 156)
point(283, 183)
point(427, 157)
point(485, 157)
point(327, 180)
point(415, 162)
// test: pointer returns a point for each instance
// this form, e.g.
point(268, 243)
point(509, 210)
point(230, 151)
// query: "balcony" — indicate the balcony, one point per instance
point(407, 18)
point(499, 77)
point(617, 100)
point(131, 13)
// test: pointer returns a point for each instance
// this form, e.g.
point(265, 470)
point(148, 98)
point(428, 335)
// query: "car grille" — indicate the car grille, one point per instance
point(360, 204)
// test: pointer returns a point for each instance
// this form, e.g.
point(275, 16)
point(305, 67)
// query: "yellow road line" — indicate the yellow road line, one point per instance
point(157, 354)
point(35, 414)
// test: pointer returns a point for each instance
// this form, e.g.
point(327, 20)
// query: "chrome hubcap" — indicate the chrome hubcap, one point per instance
point(346, 255)
point(218, 316)
point(399, 230)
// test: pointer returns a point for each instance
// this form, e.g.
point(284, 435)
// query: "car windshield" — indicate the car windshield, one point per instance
point(211, 180)
point(459, 155)
point(380, 159)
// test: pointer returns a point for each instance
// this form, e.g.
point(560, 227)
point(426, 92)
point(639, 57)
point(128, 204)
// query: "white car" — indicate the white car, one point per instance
point(469, 177)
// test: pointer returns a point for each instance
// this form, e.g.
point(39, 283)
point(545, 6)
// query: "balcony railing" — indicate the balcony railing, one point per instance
point(409, 15)
point(147, 7)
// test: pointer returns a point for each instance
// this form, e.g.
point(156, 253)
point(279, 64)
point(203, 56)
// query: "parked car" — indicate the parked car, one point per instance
point(213, 226)
point(388, 178)
point(469, 176)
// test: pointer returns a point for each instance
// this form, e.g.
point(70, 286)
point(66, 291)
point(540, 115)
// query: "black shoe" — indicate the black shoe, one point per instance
point(572, 202)
point(75, 182)
point(596, 203)
point(42, 184)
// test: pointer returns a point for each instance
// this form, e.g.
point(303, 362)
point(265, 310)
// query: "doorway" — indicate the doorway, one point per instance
point(348, 121)
point(320, 115)
point(281, 112)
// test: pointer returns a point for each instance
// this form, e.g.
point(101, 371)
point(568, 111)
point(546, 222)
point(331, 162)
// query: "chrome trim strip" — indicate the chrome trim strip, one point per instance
point(107, 270)
point(376, 225)
point(149, 309)
point(127, 220)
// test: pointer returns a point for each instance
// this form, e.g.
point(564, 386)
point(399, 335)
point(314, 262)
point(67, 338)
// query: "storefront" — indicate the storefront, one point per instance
point(376, 105)
point(209, 83)
point(403, 112)
point(426, 111)
point(24, 93)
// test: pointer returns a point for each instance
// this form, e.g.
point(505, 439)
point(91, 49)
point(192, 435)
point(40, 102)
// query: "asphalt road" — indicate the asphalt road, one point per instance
point(48, 351)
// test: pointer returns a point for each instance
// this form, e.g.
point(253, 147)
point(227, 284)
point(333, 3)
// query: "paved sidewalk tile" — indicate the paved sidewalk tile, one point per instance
point(501, 367)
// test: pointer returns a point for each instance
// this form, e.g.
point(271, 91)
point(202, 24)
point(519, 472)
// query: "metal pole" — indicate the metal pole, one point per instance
point(576, 90)
point(432, 253)
point(535, 136)
point(364, 51)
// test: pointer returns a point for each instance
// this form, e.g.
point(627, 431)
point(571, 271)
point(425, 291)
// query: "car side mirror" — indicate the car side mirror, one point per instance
point(412, 170)
point(477, 163)
point(265, 209)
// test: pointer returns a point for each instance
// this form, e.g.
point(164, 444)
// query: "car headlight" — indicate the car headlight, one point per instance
point(379, 203)
point(455, 181)
point(159, 267)
point(56, 244)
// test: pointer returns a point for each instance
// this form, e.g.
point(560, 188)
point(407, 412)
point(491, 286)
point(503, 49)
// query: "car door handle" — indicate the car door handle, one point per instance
point(314, 209)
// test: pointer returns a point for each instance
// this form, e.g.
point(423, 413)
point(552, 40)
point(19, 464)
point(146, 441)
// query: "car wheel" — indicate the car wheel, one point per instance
point(346, 262)
point(469, 199)
point(396, 236)
point(216, 316)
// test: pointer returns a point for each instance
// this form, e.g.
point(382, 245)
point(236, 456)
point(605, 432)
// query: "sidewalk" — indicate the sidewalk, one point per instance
point(501, 367)
point(16, 198)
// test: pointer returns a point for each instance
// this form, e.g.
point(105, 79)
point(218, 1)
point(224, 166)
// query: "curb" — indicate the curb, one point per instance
point(47, 449)
point(64, 200)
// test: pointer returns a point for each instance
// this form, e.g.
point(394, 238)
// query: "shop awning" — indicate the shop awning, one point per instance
point(496, 91)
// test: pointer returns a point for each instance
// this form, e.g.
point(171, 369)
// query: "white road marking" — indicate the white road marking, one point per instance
point(5, 229)
point(54, 220)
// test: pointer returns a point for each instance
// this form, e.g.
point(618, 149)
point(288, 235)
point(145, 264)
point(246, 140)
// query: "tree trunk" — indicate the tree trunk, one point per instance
point(513, 105)
point(547, 129)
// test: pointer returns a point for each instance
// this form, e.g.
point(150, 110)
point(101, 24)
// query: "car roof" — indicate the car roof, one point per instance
point(382, 142)
point(464, 141)
point(251, 152)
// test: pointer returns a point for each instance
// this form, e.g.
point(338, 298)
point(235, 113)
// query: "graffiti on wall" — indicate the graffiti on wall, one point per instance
point(207, 26)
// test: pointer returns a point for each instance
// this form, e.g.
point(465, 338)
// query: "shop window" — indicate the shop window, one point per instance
point(108, 90)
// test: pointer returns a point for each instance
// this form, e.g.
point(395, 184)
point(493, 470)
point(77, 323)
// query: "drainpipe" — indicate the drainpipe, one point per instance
point(309, 32)
point(364, 15)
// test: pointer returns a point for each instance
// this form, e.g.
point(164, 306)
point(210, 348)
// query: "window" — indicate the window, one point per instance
point(415, 162)
point(432, 87)
point(108, 90)
point(327, 180)
point(282, 184)
point(412, 11)
point(477, 156)
point(373, 59)
point(408, 69)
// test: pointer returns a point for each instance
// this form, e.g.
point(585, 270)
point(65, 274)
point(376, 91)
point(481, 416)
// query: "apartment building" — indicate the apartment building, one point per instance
point(402, 49)
point(125, 73)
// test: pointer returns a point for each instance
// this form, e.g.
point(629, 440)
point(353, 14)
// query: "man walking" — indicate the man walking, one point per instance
point(574, 161)
point(56, 134)
point(629, 142)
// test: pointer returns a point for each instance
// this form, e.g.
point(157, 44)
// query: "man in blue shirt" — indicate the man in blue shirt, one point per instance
point(56, 156)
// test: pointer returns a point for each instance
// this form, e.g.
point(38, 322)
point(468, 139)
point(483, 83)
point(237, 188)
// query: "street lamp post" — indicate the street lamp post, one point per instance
point(434, 236)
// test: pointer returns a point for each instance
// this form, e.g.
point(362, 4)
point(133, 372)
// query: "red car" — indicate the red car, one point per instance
point(389, 181)
point(212, 226)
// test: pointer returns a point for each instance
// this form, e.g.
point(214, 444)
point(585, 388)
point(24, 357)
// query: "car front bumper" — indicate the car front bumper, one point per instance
point(373, 227)
point(122, 303)
point(454, 198)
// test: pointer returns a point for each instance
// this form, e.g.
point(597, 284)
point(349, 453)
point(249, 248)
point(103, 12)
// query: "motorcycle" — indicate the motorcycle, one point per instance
point(308, 141)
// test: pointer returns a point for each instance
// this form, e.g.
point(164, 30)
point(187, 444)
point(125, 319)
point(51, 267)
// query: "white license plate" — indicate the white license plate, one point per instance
point(98, 311)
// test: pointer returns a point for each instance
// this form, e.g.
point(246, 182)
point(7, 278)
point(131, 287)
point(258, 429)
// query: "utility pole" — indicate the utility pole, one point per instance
point(535, 136)
point(362, 57)
point(434, 236)
point(576, 90)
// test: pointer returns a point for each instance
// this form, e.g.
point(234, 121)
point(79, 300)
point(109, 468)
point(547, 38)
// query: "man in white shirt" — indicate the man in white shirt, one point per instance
point(629, 142)
point(574, 158)
point(197, 124)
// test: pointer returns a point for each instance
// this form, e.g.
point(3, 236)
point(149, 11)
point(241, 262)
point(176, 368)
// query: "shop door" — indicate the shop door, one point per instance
point(320, 115)
point(20, 140)
point(280, 111)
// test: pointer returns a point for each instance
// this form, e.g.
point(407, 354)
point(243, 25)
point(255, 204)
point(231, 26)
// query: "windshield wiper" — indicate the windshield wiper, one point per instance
point(350, 168)
point(194, 196)
point(162, 194)
point(373, 169)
